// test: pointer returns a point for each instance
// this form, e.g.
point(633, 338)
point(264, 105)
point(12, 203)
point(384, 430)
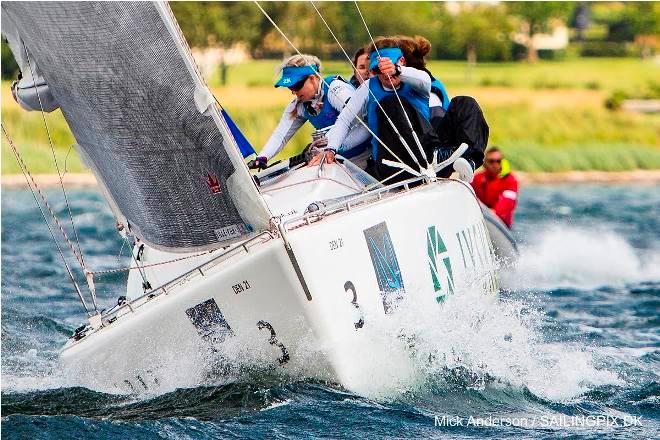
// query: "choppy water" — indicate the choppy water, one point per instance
point(574, 340)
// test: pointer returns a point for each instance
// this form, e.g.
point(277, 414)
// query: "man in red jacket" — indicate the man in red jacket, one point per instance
point(496, 186)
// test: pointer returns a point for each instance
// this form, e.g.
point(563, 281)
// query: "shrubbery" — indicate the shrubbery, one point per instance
point(9, 65)
point(608, 49)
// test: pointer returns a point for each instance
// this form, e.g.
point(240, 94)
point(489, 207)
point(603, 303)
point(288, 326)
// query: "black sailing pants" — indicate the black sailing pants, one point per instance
point(391, 107)
point(463, 122)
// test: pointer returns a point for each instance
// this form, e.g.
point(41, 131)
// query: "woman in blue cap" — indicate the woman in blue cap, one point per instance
point(378, 101)
point(391, 62)
point(454, 121)
point(316, 100)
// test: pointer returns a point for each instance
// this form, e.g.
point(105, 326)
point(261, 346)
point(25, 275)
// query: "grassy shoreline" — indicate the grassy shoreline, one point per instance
point(548, 117)
point(642, 177)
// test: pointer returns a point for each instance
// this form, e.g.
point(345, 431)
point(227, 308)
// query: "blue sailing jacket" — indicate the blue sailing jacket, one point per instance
point(439, 89)
point(405, 91)
point(328, 114)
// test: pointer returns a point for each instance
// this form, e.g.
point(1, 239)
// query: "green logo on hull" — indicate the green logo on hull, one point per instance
point(441, 274)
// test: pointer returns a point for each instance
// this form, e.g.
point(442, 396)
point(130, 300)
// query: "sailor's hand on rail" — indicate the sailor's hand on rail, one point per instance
point(386, 66)
point(258, 163)
point(329, 158)
point(464, 170)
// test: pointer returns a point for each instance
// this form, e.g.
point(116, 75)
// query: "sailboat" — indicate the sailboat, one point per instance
point(294, 262)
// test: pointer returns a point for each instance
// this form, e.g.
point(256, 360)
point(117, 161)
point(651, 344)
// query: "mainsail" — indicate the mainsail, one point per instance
point(143, 118)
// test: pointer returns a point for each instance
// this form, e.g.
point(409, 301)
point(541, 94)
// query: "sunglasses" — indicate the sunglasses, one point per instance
point(299, 85)
point(494, 160)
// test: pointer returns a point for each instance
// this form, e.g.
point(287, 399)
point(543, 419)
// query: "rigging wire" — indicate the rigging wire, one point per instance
point(419, 144)
point(81, 260)
point(33, 185)
point(324, 82)
point(144, 266)
point(401, 139)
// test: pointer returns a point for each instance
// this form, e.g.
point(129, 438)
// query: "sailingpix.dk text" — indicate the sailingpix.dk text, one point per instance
point(547, 421)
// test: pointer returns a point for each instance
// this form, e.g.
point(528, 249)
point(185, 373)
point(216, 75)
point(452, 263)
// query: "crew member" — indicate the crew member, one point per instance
point(360, 67)
point(496, 186)
point(380, 106)
point(316, 100)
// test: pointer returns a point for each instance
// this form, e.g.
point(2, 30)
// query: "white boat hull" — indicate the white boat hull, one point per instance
point(504, 245)
point(299, 303)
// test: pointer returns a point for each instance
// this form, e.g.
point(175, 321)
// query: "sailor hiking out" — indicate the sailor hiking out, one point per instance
point(415, 49)
point(454, 121)
point(318, 100)
point(377, 99)
point(405, 108)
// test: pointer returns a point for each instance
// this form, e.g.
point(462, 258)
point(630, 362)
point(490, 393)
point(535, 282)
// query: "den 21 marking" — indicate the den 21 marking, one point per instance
point(241, 287)
point(336, 244)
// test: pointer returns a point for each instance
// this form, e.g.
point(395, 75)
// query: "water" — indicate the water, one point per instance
point(573, 340)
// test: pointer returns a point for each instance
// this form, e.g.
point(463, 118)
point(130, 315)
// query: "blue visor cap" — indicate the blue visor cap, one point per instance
point(293, 74)
point(393, 53)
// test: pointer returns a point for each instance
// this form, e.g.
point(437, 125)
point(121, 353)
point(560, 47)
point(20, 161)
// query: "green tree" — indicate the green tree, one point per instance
point(536, 16)
point(481, 32)
point(217, 23)
point(8, 63)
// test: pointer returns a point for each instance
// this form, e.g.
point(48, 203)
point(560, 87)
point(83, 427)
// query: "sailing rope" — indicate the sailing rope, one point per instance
point(32, 184)
point(126, 269)
point(355, 115)
point(419, 144)
point(81, 260)
point(405, 144)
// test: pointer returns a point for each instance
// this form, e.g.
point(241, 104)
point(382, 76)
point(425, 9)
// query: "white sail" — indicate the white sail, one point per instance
point(129, 90)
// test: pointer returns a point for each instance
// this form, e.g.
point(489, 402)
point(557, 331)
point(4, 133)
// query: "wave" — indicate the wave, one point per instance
point(473, 341)
point(563, 256)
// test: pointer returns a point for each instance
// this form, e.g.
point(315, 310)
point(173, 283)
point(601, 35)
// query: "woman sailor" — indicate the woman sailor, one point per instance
point(378, 100)
point(317, 100)
point(454, 121)
point(415, 51)
point(391, 59)
point(360, 67)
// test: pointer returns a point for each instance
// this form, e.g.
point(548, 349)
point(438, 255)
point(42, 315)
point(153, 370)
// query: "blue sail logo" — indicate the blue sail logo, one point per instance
point(386, 265)
point(439, 264)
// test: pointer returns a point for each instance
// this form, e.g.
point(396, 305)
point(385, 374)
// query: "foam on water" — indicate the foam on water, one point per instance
point(472, 340)
point(477, 340)
point(564, 256)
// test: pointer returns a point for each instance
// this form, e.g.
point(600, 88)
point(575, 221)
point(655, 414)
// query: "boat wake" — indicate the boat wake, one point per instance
point(583, 258)
point(475, 342)
point(473, 348)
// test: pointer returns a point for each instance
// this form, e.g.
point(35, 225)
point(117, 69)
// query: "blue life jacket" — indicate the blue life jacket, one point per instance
point(328, 114)
point(405, 92)
point(439, 89)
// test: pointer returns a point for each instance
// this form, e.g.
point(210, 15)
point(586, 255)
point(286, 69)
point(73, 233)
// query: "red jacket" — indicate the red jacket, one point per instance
point(497, 192)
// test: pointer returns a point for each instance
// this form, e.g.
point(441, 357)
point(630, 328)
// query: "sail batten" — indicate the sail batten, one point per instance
point(126, 84)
